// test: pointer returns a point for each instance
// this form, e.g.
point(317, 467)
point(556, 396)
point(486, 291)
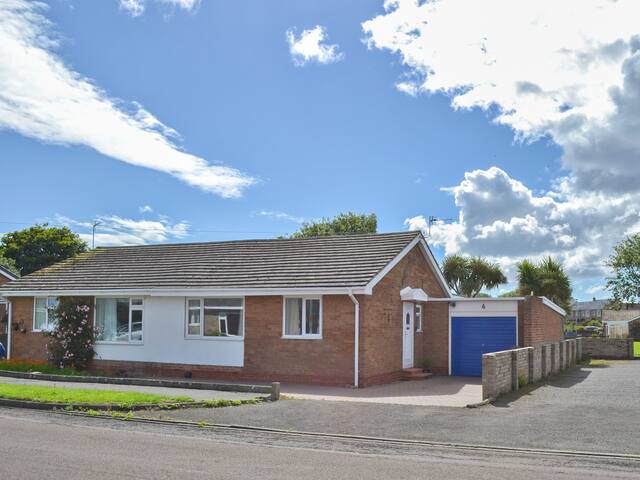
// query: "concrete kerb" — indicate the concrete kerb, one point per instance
point(273, 390)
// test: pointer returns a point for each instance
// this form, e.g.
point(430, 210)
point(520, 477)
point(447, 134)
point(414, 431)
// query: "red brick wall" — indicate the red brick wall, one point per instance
point(381, 321)
point(25, 344)
point(538, 323)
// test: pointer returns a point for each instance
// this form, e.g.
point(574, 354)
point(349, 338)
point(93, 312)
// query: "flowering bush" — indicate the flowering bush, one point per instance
point(71, 343)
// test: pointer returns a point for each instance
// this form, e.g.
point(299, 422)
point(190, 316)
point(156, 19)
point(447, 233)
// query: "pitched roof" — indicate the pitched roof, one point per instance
point(5, 272)
point(345, 261)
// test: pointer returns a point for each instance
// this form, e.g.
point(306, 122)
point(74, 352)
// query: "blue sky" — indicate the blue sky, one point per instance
point(313, 139)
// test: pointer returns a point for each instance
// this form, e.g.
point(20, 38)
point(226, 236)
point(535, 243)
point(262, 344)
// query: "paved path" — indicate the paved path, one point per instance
point(594, 409)
point(436, 391)
point(35, 445)
point(173, 392)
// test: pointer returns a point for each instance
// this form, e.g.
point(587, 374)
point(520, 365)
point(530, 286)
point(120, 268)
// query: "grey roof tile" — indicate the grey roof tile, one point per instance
point(336, 261)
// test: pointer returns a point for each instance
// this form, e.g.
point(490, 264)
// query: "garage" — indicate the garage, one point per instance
point(477, 328)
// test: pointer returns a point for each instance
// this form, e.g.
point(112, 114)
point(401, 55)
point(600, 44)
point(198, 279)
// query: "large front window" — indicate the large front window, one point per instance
point(119, 319)
point(215, 317)
point(44, 314)
point(302, 317)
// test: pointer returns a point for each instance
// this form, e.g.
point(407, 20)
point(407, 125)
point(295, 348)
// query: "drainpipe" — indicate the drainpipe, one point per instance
point(356, 340)
point(9, 329)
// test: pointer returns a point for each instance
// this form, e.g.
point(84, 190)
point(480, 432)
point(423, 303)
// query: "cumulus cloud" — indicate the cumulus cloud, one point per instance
point(42, 98)
point(502, 219)
point(569, 70)
point(113, 230)
point(310, 46)
point(135, 8)
point(145, 209)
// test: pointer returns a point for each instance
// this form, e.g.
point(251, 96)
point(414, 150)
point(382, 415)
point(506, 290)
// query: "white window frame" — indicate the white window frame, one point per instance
point(131, 309)
point(303, 335)
point(418, 314)
point(200, 335)
point(49, 325)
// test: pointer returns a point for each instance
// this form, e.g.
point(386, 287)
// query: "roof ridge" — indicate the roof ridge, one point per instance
point(269, 240)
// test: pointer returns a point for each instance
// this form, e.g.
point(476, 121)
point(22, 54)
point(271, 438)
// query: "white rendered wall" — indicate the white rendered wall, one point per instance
point(501, 308)
point(164, 340)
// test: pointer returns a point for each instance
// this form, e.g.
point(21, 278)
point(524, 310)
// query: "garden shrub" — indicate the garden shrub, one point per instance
point(72, 342)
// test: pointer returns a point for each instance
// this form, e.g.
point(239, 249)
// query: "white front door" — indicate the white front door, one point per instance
point(407, 335)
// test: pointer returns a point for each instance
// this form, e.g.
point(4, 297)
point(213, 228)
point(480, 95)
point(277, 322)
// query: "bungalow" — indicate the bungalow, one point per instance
point(351, 309)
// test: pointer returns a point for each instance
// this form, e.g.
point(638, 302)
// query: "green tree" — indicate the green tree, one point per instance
point(9, 265)
point(625, 263)
point(342, 224)
point(468, 276)
point(546, 278)
point(40, 246)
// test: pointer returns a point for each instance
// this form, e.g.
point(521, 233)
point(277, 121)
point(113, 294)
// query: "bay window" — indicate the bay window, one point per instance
point(302, 317)
point(215, 317)
point(119, 319)
point(44, 313)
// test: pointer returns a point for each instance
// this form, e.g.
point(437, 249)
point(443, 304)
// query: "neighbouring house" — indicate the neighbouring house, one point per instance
point(604, 311)
point(5, 277)
point(351, 309)
point(582, 312)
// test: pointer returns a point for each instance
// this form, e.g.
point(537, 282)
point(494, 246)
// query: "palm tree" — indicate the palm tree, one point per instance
point(546, 278)
point(468, 276)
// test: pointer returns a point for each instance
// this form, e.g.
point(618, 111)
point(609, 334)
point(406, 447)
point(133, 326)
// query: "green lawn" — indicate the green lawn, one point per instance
point(636, 349)
point(78, 395)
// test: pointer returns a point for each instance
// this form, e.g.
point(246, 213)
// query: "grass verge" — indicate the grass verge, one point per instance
point(85, 396)
point(592, 362)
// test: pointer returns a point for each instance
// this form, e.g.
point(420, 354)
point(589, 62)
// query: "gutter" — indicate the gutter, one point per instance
point(356, 340)
point(9, 328)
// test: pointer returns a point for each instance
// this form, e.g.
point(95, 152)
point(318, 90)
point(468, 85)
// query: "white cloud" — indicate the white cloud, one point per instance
point(502, 219)
point(281, 216)
point(113, 230)
point(145, 209)
point(310, 47)
point(41, 98)
point(569, 70)
point(135, 8)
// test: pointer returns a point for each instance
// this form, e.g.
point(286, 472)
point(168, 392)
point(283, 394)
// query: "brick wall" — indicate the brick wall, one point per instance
point(381, 323)
point(25, 344)
point(503, 372)
point(612, 348)
point(538, 323)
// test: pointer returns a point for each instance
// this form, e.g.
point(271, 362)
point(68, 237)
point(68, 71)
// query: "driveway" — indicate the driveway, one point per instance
point(435, 391)
point(591, 409)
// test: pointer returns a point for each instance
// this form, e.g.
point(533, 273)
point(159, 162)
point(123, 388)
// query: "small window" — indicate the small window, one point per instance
point(215, 317)
point(44, 319)
point(418, 318)
point(119, 319)
point(302, 317)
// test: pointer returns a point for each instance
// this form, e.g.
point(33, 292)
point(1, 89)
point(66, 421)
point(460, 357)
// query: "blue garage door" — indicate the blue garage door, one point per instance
point(473, 336)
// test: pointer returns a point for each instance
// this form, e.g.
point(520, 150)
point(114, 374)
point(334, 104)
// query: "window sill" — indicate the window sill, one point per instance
point(301, 337)
point(215, 339)
point(102, 342)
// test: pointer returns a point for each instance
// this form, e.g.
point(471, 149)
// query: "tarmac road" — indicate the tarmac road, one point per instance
point(37, 445)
